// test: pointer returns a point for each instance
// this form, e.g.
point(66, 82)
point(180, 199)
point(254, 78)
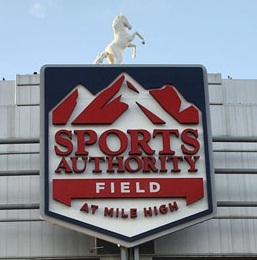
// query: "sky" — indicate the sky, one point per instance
point(219, 34)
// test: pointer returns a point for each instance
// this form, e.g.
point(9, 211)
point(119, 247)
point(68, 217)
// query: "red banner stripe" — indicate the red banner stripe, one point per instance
point(64, 190)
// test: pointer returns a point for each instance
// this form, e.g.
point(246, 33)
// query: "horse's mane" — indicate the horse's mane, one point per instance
point(116, 19)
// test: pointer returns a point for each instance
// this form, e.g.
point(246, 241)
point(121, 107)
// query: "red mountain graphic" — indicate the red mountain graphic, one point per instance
point(170, 101)
point(108, 106)
point(101, 110)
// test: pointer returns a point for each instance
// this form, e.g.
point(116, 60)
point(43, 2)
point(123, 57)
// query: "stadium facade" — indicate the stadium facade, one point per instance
point(231, 233)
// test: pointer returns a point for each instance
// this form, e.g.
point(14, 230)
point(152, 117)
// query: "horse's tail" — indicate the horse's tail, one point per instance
point(100, 57)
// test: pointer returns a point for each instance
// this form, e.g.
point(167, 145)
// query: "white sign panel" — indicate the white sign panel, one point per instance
point(125, 150)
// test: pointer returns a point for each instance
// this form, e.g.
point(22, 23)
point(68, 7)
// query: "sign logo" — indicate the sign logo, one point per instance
point(126, 151)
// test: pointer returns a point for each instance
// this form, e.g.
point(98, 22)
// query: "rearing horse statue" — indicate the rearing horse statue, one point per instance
point(122, 40)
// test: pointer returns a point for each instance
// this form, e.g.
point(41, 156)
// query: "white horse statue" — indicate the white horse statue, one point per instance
point(122, 40)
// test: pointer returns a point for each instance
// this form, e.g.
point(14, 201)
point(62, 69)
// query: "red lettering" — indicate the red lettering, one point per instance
point(163, 209)
point(63, 138)
point(189, 137)
point(97, 163)
point(123, 140)
point(137, 161)
point(94, 208)
point(108, 212)
point(192, 162)
point(123, 214)
point(173, 206)
point(75, 164)
point(117, 162)
point(148, 212)
point(63, 166)
point(142, 143)
point(149, 164)
point(85, 208)
point(166, 136)
point(163, 163)
point(155, 210)
point(133, 212)
point(81, 142)
point(175, 160)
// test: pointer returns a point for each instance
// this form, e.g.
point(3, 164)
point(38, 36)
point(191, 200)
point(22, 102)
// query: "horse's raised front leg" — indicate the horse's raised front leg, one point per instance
point(134, 53)
point(141, 37)
point(132, 36)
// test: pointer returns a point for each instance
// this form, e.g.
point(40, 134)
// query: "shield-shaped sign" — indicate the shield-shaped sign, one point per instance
point(126, 151)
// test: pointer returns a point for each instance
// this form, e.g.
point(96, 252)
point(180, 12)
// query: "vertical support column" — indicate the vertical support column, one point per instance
point(124, 253)
point(129, 253)
point(136, 253)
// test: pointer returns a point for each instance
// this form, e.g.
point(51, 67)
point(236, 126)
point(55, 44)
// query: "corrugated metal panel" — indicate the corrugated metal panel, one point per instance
point(7, 93)
point(22, 121)
point(215, 89)
point(28, 90)
point(214, 79)
point(28, 95)
point(41, 239)
point(240, 91)
point(29, 79)
point(223, 237)
point(19, 162)
point(234, 120)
